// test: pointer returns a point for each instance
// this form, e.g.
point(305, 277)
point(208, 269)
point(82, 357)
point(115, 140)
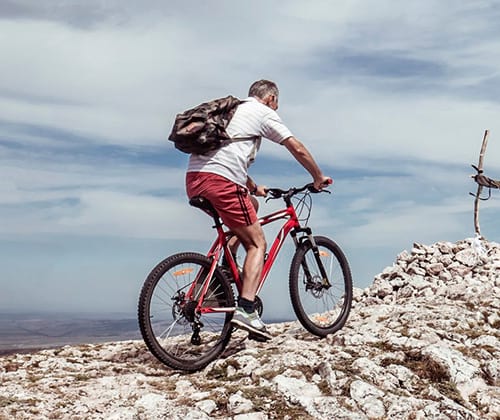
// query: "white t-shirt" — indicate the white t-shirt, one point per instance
point(251, 119)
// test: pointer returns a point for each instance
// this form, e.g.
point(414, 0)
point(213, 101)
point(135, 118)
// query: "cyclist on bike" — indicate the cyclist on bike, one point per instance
point(222, 177)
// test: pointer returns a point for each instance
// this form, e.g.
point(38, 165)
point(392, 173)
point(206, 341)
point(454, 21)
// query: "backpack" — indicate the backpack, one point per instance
point(202, 129)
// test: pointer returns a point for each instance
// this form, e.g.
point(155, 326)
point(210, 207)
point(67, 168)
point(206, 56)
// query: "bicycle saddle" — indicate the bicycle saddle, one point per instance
point(203, 204)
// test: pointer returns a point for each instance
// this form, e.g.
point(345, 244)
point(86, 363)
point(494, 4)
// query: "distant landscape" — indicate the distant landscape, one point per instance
point(28, 331)
point(21, 332)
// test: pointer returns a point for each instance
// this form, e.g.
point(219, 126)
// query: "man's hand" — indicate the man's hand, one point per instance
point(322, 182)
point(261, 191)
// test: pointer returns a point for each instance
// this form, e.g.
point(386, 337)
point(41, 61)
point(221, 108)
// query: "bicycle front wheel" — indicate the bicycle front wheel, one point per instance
point(321, 303)
point(174, 331)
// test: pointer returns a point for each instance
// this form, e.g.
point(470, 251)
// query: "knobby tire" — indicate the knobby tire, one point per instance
point(167, 319)
point(321, 309)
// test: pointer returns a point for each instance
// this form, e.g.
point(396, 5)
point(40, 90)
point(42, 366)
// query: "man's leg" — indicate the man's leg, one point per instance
point(234, 242)
point(253, 240)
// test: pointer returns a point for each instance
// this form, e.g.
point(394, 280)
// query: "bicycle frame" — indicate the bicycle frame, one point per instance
point(187, 302)
point(220, 246)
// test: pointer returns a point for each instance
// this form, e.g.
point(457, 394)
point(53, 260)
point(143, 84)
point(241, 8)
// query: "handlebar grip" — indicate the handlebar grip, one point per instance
point(275, 192)
point(311, 187)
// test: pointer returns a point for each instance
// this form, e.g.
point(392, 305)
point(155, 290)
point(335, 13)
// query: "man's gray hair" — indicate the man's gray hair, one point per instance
point(263, 88)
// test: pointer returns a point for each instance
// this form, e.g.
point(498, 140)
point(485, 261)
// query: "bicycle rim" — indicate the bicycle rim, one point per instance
point(171, 328)
point(322, 307)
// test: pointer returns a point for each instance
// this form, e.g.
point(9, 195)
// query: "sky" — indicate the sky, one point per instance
point(391, 98)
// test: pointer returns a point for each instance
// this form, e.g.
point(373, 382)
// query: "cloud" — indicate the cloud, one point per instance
point(117, 214)
point(86, 15)
point(392, 100)
point(358, 124)
point(126, 81)
point(113, 195)
point(414, 221)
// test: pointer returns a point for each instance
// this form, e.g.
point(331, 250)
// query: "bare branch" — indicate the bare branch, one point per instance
point(480, 187)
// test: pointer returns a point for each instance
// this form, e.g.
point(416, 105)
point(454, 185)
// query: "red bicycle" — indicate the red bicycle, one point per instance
point(187, 301)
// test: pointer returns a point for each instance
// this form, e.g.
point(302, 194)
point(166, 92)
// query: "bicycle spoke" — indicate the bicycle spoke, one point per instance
point(172, 327)
point(320, 303)
point(168, 330)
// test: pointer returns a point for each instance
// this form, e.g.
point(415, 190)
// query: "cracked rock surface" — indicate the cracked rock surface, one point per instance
point(423, 341)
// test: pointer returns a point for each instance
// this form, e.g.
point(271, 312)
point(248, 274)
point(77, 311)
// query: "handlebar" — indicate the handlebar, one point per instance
point(279, 193)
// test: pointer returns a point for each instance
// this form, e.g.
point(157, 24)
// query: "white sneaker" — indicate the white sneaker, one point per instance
point(250, 322)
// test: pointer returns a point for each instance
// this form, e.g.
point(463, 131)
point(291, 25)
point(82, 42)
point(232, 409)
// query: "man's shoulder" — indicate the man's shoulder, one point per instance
point(252, 105)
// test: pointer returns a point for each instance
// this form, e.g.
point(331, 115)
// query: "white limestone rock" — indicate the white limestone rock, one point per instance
point(421, 342)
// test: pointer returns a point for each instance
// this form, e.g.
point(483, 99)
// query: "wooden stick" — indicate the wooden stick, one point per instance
point(480, 187)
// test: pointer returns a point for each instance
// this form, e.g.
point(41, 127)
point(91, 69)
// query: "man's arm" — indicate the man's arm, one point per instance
point(304, 157)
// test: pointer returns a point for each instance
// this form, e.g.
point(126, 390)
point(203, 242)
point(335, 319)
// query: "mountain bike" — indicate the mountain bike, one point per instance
point(187, 301)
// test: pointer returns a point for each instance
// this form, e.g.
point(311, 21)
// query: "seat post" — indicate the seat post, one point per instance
point(204, 204)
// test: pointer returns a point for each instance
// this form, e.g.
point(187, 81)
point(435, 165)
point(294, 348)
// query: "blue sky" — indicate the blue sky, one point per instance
point(392, 98)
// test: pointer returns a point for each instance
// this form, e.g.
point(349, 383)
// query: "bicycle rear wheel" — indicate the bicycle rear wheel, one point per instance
point(321, 305)
point(172, 329)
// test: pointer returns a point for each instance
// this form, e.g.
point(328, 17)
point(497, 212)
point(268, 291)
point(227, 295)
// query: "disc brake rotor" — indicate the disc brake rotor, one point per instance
point(316, 287)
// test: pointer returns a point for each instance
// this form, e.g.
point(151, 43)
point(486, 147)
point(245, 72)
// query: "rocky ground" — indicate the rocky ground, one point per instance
point(421, 343)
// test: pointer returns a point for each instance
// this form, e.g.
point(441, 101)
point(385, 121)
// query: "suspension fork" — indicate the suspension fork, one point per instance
point(309, 237)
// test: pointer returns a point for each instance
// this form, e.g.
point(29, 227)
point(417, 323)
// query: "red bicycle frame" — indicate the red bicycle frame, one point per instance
point(221, 246)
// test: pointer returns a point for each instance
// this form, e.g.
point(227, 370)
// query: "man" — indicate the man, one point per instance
point(222, 177)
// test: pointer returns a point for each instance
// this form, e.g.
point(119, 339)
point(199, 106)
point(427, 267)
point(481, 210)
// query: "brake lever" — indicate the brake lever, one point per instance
point(273, 194)
point(314, 190)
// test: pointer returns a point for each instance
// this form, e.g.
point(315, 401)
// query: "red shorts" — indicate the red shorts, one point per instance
point(231, 200)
